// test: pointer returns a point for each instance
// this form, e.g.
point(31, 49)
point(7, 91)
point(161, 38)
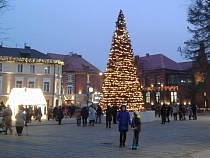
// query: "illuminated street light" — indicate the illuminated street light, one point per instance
point(89, 90)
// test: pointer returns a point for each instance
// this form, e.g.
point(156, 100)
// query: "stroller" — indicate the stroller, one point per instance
point(2, 126)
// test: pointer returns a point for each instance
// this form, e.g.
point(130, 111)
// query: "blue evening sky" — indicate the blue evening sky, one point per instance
point(86, 26)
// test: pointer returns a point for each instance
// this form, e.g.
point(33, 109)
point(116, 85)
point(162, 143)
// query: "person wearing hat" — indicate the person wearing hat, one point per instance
point(136, 126)
point(123, 118)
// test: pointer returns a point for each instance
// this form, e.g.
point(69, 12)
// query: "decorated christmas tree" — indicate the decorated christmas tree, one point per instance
point(121, 84)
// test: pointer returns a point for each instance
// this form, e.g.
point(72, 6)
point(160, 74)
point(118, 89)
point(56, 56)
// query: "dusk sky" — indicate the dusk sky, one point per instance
point(86, 27)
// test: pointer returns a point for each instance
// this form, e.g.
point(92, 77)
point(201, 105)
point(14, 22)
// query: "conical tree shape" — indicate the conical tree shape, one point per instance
point(121, 84)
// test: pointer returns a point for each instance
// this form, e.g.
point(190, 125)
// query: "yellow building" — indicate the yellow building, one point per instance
point(30, 68)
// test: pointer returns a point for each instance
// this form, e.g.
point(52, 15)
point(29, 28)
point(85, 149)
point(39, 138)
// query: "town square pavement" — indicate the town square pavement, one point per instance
point(182, 139)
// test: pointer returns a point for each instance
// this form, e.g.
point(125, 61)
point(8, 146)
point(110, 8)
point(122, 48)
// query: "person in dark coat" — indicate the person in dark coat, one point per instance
point(180, 112)
point(84, 114)
point(108, 117)
point(98, 114)
point(123, 118)
point(60, 115)
point(168, 112)
point(55, 111)
point(7, 115)
point(136, 126)
point(114, 113)
point(163, 114)
point(77, 114)
point(194, 111)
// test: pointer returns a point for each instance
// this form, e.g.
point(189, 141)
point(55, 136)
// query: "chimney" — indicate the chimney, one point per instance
point(70, 54)
point(147, 54)
point(27, 47)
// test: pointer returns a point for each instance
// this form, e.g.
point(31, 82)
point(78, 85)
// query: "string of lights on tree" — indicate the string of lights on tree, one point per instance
point(31, 60)
point(121, 84)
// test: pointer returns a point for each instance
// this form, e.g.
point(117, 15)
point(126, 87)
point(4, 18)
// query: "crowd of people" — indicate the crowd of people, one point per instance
point(92, 115)
point(175, 111)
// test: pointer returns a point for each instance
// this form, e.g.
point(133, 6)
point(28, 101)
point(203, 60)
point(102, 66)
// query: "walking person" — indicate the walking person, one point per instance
point(190, 112)
point(92, 116)
point(136, 126)
point(20, 118)
point(168, 112)
point(55, 111)
point(183, 112)
point(84, 114)
point(7, 115)
point(114, 110)
point(123, 118)
point(27, 116)
point(59, 115)
point(77, 114)
point(180, 113)
point(194, 111)
point(39, 114)
point(175, 111)
point(108, 116)
point(163, 114)
point(31, 113)
point(98, 114)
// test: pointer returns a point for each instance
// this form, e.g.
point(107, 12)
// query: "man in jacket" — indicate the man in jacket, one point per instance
point(98, 114)
point(123, 118)
point(59, 115)
point(114, 113)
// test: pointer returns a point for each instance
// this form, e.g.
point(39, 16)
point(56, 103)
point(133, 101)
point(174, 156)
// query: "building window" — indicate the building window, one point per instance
point(31, 84)
point(172, 79)
point(148, 97)
point(147, 81)
point(19, 84)
point(47, 70)
point(88, 78)
point(157, 96)
point(32, 69)
point(69, 77)
point(69, 89)
point(157, 80)
point(46, 86)
point(174, 97)
point(20, 68)
point(0, 67)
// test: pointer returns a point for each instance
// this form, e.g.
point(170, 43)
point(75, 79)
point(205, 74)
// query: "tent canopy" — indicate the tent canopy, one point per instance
point(26, 96)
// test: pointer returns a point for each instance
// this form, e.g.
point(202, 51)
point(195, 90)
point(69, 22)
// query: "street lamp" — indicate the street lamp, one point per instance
point(89, 90)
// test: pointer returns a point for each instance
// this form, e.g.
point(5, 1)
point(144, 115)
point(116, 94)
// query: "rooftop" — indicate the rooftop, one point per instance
point(160, 61)
point(25, 55)
point(74, 62)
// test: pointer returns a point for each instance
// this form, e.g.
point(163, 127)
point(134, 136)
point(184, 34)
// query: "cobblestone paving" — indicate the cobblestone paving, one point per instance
point(182, 139)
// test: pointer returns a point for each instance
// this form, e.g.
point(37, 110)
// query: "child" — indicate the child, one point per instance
point(136, 126)
point(123, 118)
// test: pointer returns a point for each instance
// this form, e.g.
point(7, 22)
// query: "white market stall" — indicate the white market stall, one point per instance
point(26, 96)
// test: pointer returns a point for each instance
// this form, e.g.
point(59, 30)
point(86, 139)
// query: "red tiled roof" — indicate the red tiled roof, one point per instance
point(160, 61)
point(74, 62)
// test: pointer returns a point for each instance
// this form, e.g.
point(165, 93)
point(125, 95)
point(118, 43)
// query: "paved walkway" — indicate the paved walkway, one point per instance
point(182, 139)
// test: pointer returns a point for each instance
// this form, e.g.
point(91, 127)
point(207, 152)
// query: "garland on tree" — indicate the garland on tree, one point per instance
point(121, 84)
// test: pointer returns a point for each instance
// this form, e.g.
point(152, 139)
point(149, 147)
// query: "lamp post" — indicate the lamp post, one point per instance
point(89, 90)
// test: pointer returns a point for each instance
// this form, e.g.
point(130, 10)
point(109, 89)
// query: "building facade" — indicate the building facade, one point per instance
point(78, 76)
point(164, 80)
point(30, 68)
